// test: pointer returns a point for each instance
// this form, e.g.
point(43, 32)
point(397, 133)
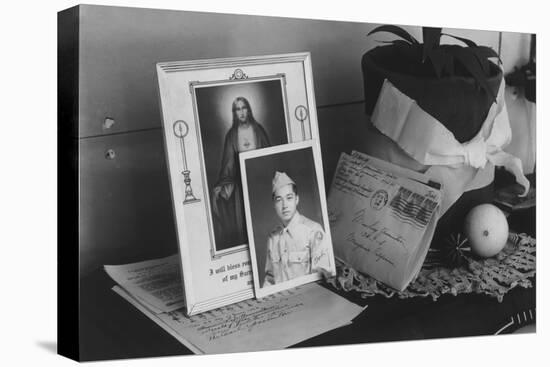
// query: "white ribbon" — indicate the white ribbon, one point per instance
point(429, 142)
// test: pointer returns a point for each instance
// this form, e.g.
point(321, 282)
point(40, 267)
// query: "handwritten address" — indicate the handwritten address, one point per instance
point(379, 218)
point(275, 321)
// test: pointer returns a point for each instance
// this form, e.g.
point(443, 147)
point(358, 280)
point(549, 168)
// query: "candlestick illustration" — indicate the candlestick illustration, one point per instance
point(301, 114)
point(180, 130)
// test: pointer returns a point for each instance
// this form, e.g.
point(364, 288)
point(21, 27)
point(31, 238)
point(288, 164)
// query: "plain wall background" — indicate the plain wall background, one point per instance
point(120, 46)
point(125, 208)
point(300, 167)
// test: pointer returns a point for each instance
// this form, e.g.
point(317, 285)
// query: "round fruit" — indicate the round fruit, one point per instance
point(487, 230)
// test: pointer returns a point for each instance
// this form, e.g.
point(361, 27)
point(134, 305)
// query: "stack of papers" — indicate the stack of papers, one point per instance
point(275, 322)
point(156, 283)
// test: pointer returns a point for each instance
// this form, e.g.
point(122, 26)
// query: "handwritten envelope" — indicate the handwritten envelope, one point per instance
point(382, 218)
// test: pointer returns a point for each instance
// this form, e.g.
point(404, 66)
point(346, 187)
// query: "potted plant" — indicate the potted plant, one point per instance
point(456, 84)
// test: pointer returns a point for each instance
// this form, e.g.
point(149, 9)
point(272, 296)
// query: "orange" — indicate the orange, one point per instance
point(487, 230)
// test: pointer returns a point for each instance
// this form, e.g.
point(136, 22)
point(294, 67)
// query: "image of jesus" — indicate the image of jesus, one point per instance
point(245, 134)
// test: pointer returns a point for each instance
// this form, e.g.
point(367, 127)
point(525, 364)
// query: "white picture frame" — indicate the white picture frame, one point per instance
point(262, 170)
point(198, 100)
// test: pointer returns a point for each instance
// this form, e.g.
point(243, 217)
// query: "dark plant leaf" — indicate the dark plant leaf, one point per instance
point(431, 37)
point(401, 45)
point(404, 49)
point(466, 41)
point(449, 67)
point(397, 43)
point(483, 62)
point(471, 64)
point(398, 31)
point(438, 58)
point(483, 54)
point(487, 53)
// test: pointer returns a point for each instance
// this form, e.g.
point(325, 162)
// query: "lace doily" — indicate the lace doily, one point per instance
point(512, 267)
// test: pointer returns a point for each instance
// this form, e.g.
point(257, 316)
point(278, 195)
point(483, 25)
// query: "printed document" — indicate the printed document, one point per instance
point(157, 283)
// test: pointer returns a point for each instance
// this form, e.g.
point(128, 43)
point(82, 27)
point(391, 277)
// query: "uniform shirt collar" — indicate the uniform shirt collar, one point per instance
point(292, 225)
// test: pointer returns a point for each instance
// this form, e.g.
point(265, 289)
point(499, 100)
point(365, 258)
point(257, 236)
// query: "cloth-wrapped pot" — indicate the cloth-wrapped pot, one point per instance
point(455, 104)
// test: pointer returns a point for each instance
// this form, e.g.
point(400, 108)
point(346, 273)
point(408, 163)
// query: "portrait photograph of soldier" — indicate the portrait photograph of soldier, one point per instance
point(235, 118)
point(290, 244)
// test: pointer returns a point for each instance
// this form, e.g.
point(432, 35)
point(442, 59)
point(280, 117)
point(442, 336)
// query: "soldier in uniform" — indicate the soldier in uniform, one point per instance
point(298, 246)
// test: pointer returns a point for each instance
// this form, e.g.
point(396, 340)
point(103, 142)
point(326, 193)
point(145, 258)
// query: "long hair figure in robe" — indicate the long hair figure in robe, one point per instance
point(228, 207)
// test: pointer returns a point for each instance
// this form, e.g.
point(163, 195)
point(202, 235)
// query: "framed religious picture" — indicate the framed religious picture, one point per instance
point(286, 212)
point(212, 111)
